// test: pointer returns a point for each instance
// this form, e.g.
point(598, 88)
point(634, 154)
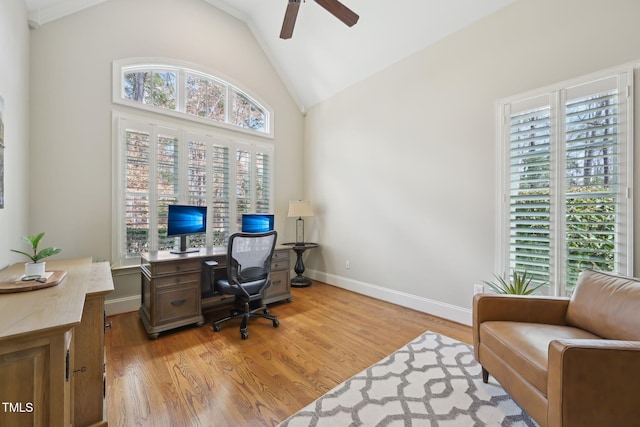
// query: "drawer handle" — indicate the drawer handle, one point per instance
point(178, 302)
point(277, 282)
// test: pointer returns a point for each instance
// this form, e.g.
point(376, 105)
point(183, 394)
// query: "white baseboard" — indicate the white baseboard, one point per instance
point(122, 305)
point(425, 305)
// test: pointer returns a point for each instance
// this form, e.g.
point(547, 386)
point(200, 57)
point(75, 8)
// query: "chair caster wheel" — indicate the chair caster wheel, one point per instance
point(244, 334)
point(276, 323)
point(216, 328)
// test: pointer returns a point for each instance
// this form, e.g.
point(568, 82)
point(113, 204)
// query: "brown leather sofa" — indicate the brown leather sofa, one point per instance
point(567, 362)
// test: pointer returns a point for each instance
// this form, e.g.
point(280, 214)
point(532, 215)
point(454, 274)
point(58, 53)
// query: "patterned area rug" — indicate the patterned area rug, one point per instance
point(432, 381)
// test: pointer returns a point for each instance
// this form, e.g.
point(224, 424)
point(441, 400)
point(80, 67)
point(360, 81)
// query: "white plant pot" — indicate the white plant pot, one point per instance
point(34, 268)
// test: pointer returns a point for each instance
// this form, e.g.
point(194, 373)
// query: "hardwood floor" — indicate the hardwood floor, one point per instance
point(196, 377)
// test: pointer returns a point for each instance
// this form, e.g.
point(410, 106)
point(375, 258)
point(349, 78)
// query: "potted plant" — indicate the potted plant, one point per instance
point(36, 267)
point(519, 285)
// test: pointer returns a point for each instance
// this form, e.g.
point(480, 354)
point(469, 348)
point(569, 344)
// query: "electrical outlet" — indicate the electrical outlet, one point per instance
point(347, 264)
point(478, 289)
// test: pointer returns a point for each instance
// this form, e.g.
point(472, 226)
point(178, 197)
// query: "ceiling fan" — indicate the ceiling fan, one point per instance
point(334, 7)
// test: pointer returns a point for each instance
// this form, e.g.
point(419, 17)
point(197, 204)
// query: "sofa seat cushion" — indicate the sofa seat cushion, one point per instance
point(525, 346)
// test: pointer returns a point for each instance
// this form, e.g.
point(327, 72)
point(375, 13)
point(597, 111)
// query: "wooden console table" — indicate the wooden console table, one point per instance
point(52, 362)
point(176, 288)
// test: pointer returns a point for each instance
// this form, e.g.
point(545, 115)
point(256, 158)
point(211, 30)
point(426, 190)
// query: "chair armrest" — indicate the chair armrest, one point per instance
point(517, 308)
point(593, 382)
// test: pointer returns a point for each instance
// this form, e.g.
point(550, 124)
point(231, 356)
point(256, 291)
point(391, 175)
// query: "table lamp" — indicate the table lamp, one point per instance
point(300, 208)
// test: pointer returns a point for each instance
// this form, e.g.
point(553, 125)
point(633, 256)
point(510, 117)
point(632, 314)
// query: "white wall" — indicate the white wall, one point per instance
point(402, 166)
point(72, 58)
point(14, 89)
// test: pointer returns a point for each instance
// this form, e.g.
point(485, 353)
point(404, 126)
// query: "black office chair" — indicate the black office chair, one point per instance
point(248, 275)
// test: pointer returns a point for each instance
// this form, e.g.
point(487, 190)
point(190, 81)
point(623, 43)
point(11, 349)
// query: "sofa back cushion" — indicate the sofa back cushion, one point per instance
point(607, 305)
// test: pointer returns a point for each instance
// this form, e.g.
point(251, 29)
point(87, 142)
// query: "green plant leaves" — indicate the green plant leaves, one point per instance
point(520, 284)
point(34, 241)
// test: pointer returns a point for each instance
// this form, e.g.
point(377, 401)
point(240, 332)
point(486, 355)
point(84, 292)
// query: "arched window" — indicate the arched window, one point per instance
point(160, 162)
point(171, 88)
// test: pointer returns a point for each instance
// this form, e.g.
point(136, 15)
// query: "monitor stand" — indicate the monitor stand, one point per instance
point(183, 247)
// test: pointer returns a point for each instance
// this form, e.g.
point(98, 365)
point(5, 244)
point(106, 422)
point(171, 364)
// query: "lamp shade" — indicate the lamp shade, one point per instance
point(300, 208)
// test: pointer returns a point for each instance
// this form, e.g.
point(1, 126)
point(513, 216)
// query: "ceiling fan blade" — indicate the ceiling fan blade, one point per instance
point(340, 11)
point(290, 19)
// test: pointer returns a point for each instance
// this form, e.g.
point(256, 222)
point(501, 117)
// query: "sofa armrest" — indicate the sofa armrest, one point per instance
point(520, 308)
point(517, 308)
point(593, 382)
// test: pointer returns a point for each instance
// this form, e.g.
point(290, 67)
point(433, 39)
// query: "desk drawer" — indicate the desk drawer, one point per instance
point(216, 300)
point(177, 280)
point(279, 288)
point(178, 302)
point(184, 266)
point(279, 282)
point(280, 255)
point(282, 264)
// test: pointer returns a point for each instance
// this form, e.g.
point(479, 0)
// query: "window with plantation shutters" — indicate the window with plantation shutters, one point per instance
point(567, 181)
point(162, 165)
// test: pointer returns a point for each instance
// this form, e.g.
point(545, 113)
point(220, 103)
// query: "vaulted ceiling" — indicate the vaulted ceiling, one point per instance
point(324, 56)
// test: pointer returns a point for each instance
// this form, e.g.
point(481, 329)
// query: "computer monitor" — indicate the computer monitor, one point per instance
point(257, 223)
point(186, 220)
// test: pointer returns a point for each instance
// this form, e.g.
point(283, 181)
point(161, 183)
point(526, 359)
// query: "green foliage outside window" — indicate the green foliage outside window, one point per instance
point(151, 88)
point(589, 236)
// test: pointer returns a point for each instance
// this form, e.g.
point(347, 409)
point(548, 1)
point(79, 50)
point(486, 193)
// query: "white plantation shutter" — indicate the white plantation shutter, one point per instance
point(244, 184)
point(159, 166)
point(594, 197)
point(134, 210)
point(197, 182)
point(253, 180)
point(220, 203)
point(263, 182)
point(567, 181)
point(529, 191)
point(167, 179)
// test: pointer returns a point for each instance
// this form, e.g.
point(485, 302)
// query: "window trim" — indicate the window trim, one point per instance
point(180, 67)
point(555, 93)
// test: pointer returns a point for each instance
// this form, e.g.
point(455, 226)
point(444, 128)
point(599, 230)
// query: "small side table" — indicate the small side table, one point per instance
point(300, 281)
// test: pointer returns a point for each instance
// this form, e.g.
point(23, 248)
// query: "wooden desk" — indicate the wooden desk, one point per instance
point(176, 287)
point(50, 344)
